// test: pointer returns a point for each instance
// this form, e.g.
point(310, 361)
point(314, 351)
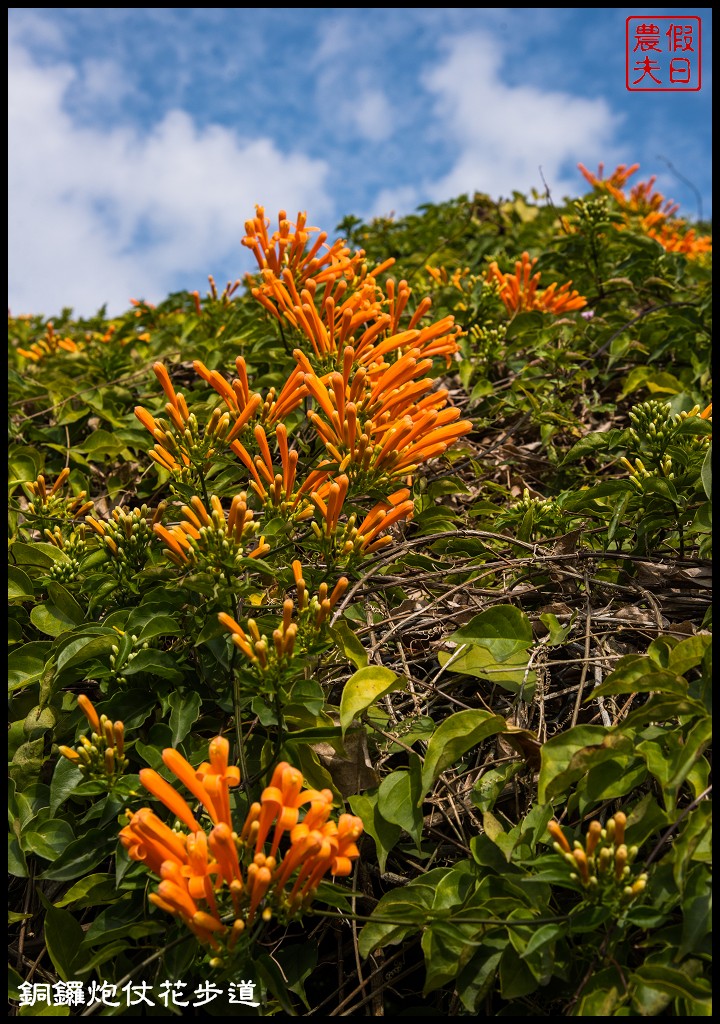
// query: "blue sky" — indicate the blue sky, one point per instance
point(142, 138)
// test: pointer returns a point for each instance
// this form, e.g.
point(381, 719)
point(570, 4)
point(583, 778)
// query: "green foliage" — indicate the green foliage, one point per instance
point(494, 650)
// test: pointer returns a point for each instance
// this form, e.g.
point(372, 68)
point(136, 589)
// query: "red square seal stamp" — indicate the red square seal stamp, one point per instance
point(662, 53)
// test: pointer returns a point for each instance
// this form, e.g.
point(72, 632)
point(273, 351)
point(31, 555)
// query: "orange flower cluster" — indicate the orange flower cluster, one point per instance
point(675, 237)
point(246, 404)
point(309, 612)
point(102, 756)
point(285, 249)
point(642, 197)
point(602, 865)
point(332, 298)
point(275, 490)
point(126, 534)
point(376, 414)
point(52, 504)
point(653, 208)
point(212, 538)
point(205, 877)
point(519, 291)
point(363, 539)
point(374, 422)
point(49, 345)
point(179, 444)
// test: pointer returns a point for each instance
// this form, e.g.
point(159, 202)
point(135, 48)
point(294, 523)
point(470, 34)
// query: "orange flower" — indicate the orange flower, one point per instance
point(203, 537)
point(519, 291)
point(675, 238)
point(146, 838)
point(281, 801)
point(161, 789)
point(217, 776)
point(614, 184)
point(384, 515)
point(186, 774)
point(199, 874)
point(88, 709)
point(49, 345)
point(559, 836)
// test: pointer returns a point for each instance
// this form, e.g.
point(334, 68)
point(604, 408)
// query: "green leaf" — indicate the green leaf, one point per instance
point(478, 976)
point(557, 633)
point(516, 978)
point(591, 444)
point(157, 625)
point(27, 663)
point(655, 381)
point(688, 653)
point(398, 796)
point(86, 648)
point(651, 980)
point(17, 865)
point(39, 553)
point(490, 785)
point(601, 995)
point(50, 619)
point(274, 981)
point(453, 738)
point(696, 741)
point(503, 630)
point(65, 602)
point(185, 711)
point(385, 834)
point(104, 443)
point(20, 586)
point(297, 962)
point(697, 923)
point(555, 774)
point(154, 663)
point(706, 473)
point(409, 905)
point(349, 644)
point(63, 935)
point(480, 663)
point(48, 839)
point(90, 891)
point(66, 778)
point(636, 673)
point(79, 857)
point(363, 688)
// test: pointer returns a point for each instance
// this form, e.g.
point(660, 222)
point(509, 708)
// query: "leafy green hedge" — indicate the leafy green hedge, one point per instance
point(359, 655)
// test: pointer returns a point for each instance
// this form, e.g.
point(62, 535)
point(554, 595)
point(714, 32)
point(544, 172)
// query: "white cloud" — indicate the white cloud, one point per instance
point(100, 215)
point(372, 115)
point(503, 134)
point(348, 93)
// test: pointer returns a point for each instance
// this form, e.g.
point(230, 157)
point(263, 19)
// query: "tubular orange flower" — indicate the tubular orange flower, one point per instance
point(224, 850)
point(519, 291)
point(164, 792)
point(166, 384)
point(199, 870)
point(614, 183)
point(559, 836)
point(592, 838)
point(675, 238)
point(281, 800)
point(258, 883)
point(217, 776)
point(186, 774)
point(620, 823)
point(88, 709)
point(146, 838)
